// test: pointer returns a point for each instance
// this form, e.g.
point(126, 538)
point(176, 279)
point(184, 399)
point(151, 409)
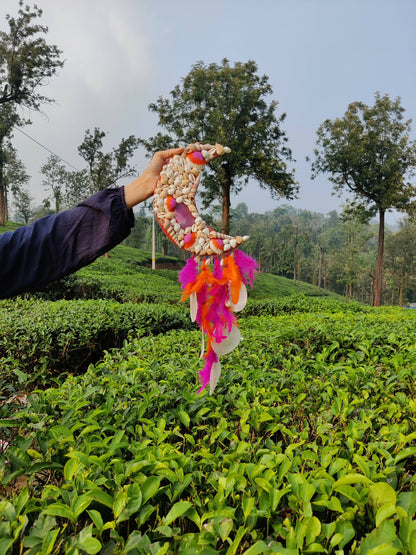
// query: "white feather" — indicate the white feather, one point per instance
point(193, 305)
point(214, 376)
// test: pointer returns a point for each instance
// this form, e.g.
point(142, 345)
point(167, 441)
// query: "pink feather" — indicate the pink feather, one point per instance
point(189, 273)
point(210, 359)
point(248, 266)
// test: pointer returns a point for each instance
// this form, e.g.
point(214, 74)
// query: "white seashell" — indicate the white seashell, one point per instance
point(229, 343)
point(227, 247)
point(246, 237)
point(179, 199)
point(178, 181)
point(214, 248)
point(233, 243)
point(227, 150)
point(242, 299)
point(176, 227)
point(181, 243)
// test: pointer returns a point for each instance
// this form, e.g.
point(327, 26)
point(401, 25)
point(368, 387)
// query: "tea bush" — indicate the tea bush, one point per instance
point(307, 446)
point(41, 339)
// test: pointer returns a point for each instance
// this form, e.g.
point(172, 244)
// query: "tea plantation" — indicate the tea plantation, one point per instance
point(307, 446)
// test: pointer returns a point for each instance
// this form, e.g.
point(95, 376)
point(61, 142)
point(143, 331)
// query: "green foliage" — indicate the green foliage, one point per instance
point(41, 339)
point(228, 105)
point(26, 60)
point(308, 445)
point(368, 152)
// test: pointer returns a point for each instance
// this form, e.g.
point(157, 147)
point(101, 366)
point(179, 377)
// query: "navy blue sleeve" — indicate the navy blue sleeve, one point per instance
point(58, 245)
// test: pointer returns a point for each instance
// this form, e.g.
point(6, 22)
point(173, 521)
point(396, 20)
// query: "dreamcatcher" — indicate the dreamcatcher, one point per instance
point(214, 279)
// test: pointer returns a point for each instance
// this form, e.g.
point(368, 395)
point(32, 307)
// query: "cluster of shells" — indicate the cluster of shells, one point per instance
point(175, 208)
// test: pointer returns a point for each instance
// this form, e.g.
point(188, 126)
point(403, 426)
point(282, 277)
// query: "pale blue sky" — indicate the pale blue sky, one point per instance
point(320, 55)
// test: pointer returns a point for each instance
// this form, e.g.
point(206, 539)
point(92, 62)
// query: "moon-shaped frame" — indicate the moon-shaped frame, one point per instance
point(175, 208)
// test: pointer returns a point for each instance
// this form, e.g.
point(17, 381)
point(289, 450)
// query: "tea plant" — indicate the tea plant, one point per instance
point(308, 446)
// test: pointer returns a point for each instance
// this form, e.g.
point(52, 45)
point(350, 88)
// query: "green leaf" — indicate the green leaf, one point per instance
point(18, 457)
point(102, 497)
point(405, 453)
point(49, 541)
point(86, 542)
point(352, 478)
point(225, 526)
point(384, 512)
point(61, 510)
point(70, 468)
point(380, 540)
point(232, 550)
point(81, 503)
point(96, 517)
point(258, 548)
point(184, 417)
point(382, 493)
point(407, 500)
point(313, 530)
point(248, 504)
point(149, 487)
point(176, 511)
point(120, 503)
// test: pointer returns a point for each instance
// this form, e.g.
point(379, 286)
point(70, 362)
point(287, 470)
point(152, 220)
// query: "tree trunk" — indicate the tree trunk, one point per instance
point(226, 202)
point(320, 268)
point(3, 201)
point(295, 254)
point(2, 205)
point(380, 254)
point(401, 290)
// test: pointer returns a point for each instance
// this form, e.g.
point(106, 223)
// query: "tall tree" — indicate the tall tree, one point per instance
point(55, 179)
point(217, 103)
point(27, 62)
point(13, 173)
point(24, 204)
point(368, 152)
point(401, 256)
point(105, 169)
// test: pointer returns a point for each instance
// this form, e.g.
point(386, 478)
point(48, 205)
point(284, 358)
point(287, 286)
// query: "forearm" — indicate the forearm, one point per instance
point(58, 245)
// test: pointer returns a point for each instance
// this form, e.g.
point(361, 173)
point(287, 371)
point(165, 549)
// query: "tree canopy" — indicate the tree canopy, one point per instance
point(27, 61)
point(368, 152)
point(105, 169)
point(219, 103)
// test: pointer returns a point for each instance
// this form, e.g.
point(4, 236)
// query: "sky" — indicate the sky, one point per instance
point(319, 56)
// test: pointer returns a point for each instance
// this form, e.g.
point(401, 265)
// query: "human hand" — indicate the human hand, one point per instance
point(143, 187)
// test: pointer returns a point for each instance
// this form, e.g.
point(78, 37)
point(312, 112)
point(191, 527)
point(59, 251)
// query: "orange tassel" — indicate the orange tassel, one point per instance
point(232, 273)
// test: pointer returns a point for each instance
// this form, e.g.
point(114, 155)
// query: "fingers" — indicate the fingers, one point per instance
point(166, 154)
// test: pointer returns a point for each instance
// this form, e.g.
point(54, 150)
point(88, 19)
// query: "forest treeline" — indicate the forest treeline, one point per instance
point(333, 251)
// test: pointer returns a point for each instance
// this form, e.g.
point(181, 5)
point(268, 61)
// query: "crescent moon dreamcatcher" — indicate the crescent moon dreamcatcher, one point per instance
point(215, 277)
